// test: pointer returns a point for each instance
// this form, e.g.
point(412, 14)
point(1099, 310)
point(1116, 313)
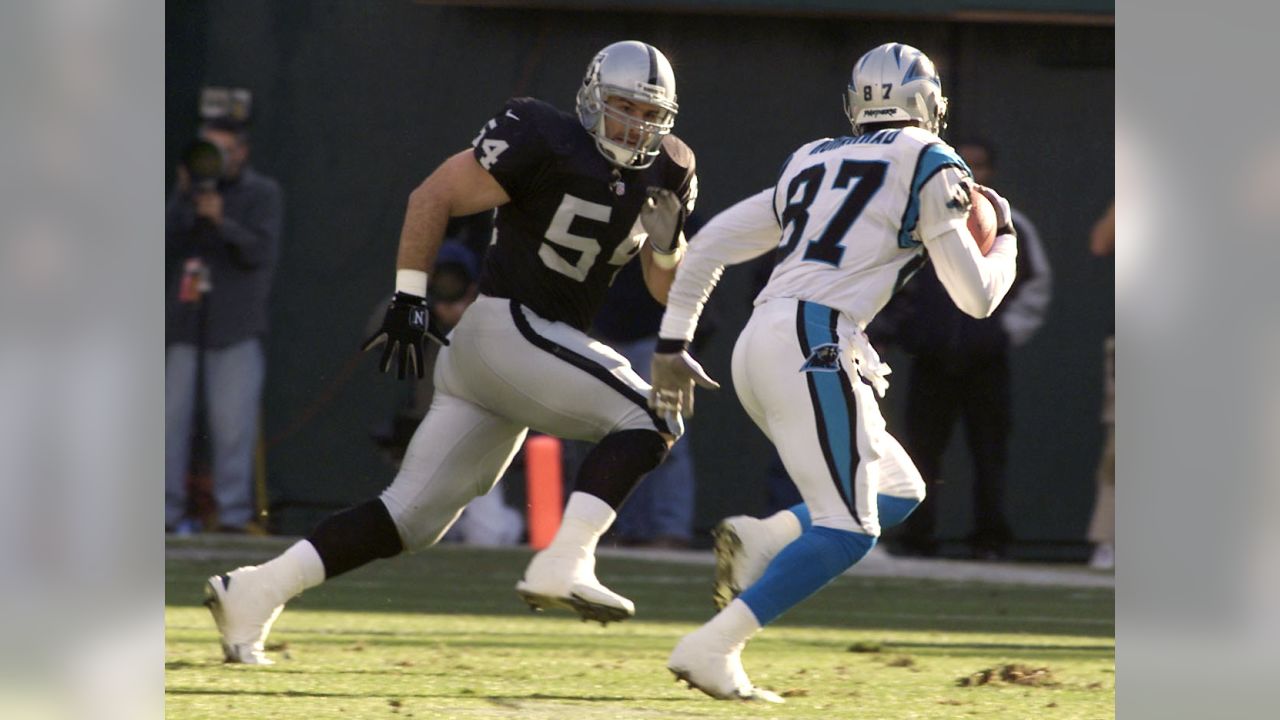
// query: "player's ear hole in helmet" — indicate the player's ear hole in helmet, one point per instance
point(628, 103)
point(895, 83)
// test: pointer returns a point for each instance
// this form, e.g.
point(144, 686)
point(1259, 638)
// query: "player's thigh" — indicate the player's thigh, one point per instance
point(457, 453)
point(545, 375)
point(817, 419)
point(898, 474)
point(741, 368)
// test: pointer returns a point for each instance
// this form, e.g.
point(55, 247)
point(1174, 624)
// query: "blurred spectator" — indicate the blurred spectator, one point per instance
point(487, 520)
point(1102, 527)
point(960, 370)
point(222, 239)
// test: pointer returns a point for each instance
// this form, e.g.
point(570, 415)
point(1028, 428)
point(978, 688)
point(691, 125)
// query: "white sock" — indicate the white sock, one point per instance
point(586, 518)
point(783, 528)
point(735, 623)
point(293, 571)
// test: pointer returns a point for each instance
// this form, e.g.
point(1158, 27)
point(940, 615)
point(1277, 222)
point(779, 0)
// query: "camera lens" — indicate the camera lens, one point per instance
point(203, 160)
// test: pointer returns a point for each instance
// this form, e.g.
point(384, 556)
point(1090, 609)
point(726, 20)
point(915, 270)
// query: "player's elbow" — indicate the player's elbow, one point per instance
point(975, 307)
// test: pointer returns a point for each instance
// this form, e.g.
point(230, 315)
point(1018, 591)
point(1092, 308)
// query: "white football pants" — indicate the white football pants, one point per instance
point(505, 371)
point(797, 379)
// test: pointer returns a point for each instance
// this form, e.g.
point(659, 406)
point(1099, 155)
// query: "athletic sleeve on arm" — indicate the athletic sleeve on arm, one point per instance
point(975, 283)
point(745, 231)
point(512, 147)
point(944, 202)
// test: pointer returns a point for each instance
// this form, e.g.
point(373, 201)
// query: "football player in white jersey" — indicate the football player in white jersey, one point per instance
point(851, 219)
point(578, 196)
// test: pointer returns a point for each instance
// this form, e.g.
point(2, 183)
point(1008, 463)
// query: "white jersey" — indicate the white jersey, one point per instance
point(849, 213)
point(851, 219)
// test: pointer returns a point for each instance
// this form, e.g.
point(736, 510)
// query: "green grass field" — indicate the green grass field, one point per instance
point(443, 635)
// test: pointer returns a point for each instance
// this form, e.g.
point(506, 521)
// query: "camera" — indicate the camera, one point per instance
point(206, 164)
point(226, 108)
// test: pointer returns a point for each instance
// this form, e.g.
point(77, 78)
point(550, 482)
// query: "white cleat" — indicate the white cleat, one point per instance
point(569, 582)
point(706, 662)
point(243, 615)
point(743, 549)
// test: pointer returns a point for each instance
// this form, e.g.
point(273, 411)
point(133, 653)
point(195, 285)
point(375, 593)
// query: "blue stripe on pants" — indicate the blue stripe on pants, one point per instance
point(834, 404)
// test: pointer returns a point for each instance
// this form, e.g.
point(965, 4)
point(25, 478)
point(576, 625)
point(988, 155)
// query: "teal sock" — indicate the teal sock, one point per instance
point(816, 558)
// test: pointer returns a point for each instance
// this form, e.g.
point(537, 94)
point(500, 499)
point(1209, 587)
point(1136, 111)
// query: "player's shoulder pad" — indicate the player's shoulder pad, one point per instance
point(811, 147)
point(680, 154)
point(934, 155)
point(558, 128)
point(919, 136)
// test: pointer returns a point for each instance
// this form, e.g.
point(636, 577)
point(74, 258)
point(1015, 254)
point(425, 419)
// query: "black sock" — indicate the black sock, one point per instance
point(615, 465)
point(354, 537)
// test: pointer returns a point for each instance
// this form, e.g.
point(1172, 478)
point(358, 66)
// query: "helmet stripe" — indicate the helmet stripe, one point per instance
point(653, 65)
point(920, 71)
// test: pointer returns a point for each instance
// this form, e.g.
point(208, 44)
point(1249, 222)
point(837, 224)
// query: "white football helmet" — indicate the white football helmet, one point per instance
point(895, 82)
point(636, 71)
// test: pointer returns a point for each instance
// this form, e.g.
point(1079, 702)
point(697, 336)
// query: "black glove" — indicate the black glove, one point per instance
point(407, 322)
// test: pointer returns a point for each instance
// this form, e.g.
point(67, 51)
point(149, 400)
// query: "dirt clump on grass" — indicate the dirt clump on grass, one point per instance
point(1013, 674)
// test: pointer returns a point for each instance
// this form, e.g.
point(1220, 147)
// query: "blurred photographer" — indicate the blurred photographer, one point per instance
point(222, 239)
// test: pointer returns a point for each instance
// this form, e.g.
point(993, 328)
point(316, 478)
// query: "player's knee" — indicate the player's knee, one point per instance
point(893, 510)
point(646, 448)
point(617, 463)
point(420, 525)
point(842, 521)
point(638, 418)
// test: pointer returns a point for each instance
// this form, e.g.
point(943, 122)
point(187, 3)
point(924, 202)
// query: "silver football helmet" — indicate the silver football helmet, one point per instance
point(895, 82)
point(636, 71)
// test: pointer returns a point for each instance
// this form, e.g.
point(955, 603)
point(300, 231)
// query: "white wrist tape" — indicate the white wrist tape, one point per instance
point(667, 261)
point(413, 282)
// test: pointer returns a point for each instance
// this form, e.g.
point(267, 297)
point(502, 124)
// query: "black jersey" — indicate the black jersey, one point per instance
point(573, 219)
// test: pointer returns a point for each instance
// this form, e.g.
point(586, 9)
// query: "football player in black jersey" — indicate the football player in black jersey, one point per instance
point(578, 197)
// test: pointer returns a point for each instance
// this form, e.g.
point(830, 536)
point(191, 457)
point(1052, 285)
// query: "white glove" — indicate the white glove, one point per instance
point(662, 216)
point(1004, 216)
point(674, 376)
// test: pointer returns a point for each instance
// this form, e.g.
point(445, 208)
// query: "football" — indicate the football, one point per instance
point(982, 221)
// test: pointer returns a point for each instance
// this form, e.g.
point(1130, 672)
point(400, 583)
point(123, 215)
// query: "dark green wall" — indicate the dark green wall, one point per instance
point(357, 102)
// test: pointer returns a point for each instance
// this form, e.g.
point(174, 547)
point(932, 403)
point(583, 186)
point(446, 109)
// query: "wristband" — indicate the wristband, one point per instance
point(669, 260)
point(670, 347)
point(412, 282)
